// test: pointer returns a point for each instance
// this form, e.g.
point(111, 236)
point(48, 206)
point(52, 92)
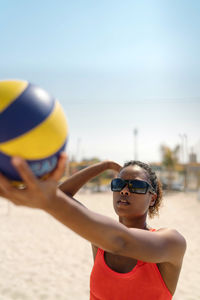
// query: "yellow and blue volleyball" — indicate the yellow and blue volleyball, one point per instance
point(32, 126)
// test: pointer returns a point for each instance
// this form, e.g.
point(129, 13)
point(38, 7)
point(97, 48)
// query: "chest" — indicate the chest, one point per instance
point(119, 263)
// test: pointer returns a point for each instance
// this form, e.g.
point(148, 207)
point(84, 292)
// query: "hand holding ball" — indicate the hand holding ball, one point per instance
point(32, 126)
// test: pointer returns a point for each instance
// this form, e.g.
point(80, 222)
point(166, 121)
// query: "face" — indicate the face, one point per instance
point(128, 204)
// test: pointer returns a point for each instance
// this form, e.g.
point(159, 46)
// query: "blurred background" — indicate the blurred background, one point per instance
point(127, 74)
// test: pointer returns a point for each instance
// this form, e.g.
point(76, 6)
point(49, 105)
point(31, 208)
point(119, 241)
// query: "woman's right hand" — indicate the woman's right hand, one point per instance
point(114, 166)
point(73, 183)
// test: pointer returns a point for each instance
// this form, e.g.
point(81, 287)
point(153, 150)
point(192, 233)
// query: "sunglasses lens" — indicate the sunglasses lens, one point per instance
point(135, 186)
point(117, 185)
point(138, 186)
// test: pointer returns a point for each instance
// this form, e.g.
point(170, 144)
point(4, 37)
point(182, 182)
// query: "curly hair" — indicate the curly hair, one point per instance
point(155, 182)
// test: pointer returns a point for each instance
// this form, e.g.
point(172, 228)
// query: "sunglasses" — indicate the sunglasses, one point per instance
point(134, 186)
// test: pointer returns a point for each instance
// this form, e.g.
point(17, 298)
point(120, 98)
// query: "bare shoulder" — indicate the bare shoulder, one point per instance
point(173, 240)
point(172, 235)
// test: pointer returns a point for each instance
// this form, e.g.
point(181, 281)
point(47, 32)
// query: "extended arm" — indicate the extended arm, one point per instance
point(77, 180)
point(156, 247)
point(162, 246)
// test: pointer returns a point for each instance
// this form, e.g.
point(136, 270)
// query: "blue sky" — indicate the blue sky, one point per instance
point(114, 66)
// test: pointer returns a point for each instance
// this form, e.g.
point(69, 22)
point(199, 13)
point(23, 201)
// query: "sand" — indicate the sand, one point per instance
point(40, 259)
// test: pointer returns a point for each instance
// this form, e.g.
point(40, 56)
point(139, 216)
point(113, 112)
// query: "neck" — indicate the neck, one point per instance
point(139, 223)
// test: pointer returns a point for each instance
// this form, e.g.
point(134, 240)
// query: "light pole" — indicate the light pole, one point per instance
point(186, 149)
point(135, 134)
point(78, 149)
point(182, 148)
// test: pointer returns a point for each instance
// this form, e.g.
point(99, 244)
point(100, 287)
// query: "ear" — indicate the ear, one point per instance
point(153, 199)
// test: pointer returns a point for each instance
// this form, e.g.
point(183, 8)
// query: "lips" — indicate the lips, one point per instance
point(123, 201)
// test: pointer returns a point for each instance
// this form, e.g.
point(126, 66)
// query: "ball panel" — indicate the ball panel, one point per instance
point(23, 115)
point(32, 126)
point(39, 167)
point(9, 91)
point(42, 141)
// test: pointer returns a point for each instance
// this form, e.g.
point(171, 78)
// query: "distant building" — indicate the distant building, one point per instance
point(192, 170)
point(183, 177)
point(193, 158)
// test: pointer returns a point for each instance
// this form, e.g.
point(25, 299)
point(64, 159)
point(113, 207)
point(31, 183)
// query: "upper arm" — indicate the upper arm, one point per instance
point(165, 245)
point(75, 200)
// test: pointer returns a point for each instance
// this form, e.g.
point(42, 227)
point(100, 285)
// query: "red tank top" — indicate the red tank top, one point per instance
point(143, 282)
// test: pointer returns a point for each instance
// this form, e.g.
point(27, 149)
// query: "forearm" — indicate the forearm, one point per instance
point(77, 180)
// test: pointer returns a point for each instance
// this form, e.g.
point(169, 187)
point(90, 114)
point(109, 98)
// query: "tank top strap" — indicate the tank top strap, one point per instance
point(152, 229)
point(100, 254)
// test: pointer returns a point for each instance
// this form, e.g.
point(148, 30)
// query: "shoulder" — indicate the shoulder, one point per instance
point(174, 240)
point(172, 234)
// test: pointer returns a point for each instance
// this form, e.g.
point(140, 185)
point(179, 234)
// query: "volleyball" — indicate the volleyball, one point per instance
point(32, 126)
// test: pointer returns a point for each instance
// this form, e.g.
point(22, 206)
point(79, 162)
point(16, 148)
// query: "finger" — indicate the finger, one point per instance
point(5, 184)
point(118, 167)
point(60, 168)
point(6, 190)
point(12, 193)
point(25, 172)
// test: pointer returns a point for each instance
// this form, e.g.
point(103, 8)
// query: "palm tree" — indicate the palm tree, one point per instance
point(169, 161)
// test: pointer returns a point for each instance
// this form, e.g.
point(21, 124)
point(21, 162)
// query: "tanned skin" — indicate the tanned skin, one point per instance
point(125, 241)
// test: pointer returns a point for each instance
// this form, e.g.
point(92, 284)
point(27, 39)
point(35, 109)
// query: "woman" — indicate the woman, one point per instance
point(132, 260)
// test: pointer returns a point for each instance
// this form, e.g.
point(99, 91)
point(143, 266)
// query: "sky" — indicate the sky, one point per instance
point(115, 66)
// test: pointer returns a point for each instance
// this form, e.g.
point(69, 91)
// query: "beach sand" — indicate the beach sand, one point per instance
point(40, 259)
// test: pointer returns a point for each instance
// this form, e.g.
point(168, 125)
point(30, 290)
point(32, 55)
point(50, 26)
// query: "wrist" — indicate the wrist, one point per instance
point(106, 164)
point(54, 202)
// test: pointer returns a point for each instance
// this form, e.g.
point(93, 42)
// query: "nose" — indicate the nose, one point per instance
point(125, 191)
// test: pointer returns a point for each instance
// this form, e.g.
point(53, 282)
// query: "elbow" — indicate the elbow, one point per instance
point(62, 189)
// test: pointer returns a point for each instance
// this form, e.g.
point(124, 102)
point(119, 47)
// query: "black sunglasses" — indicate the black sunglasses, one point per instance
point(134, 186)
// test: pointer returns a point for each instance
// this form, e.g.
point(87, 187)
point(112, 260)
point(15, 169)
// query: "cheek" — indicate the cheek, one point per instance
point(145, 201)
point(140, 203)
